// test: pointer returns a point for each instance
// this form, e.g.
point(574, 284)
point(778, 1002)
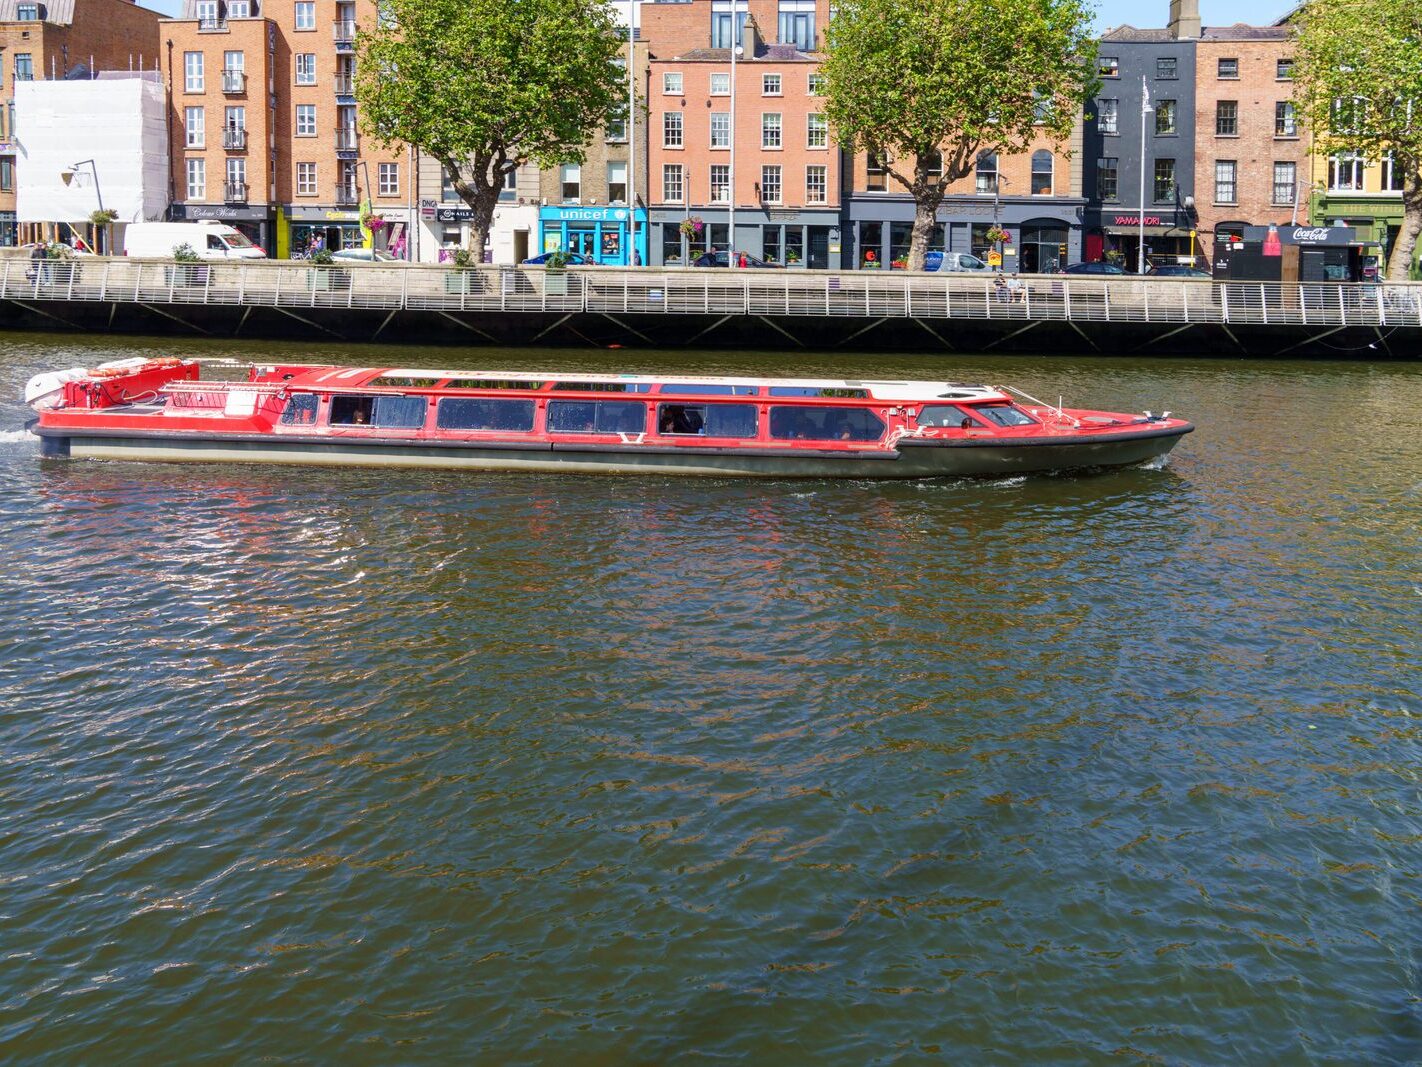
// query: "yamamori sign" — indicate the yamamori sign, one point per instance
point(584, 214)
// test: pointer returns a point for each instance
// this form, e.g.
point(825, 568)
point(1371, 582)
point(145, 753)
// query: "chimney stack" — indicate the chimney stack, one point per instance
point(1185, 19)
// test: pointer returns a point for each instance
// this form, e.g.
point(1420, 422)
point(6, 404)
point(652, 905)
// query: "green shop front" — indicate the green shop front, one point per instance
point(1375, 218)
point(603, 234)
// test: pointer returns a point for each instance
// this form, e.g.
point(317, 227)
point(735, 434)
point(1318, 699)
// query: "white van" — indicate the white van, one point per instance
point(210, 240)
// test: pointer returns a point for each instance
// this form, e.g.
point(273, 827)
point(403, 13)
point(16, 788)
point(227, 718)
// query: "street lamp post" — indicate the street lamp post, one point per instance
point(1146, 109)
point(632, 256)
point(731, 207)
point(67, 176)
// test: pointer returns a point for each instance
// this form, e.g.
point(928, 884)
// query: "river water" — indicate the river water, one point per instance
point(361, 766)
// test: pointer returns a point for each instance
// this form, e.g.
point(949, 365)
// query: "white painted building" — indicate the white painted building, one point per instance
point(444, 218)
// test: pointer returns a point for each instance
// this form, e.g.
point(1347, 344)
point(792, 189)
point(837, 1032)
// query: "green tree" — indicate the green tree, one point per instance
point(485, 86)
point(1358, 77)
point(926, 86)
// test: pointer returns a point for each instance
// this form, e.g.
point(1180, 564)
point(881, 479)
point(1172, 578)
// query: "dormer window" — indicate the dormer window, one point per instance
point(27, 13)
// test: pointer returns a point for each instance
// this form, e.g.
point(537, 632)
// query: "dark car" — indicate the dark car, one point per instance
point(1177, 270)
point(572, 259)
point(720, 259)
point(1098, 268)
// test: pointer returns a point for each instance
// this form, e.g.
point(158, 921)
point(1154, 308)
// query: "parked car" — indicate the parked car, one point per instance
point(572, 259)
point(363, 255)
point(1177, 270)
point(210, 240)
point(720, 259)
point(1098, 268)
point(953, 262)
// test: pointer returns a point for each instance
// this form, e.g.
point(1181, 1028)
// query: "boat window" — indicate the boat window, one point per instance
point(823, 392)
point(300, 410)
point(707, 420)
point(603, 387)
point(825, 424)
point(400, 412)
point(596, 416)
point(700, 389)
point(351, 410)
point(470, 413)
point(388, 382)
point(1003, 415)
point(945, 415)
point(492, 383)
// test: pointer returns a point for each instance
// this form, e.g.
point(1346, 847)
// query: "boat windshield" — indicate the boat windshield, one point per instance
point(1003, 415)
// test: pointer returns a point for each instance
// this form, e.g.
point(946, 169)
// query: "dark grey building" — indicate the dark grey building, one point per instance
point(1158, 66)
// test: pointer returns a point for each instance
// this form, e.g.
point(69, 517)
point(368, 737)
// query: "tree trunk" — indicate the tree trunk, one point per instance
point(482, 195)
point(1399, 265)
point(927, 197)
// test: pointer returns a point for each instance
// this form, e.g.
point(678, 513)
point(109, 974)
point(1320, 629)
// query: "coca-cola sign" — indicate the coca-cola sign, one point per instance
point(1314, 236)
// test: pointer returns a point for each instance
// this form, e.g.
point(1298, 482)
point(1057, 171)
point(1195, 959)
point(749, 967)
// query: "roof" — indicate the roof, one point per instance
point(1242, 32)
point(54, 12)
point(775, 53)
point(1131, 35)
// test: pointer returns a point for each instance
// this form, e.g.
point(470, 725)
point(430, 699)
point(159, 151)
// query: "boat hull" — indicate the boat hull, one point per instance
point(915, 458)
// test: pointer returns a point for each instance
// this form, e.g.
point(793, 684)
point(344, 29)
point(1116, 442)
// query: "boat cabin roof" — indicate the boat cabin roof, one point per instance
point(331, 378)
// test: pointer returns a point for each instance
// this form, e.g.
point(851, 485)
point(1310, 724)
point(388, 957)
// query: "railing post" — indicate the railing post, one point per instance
point(1224, 304)
point(1264, 302)
point(405, 287)
point(1342, 307)
point(1106, 298)
point(1066, 298)
point(276, 289)
point(103, 281)
point(207, 286)
point(5, 280)
point(1382, 308)
point(1303, 302)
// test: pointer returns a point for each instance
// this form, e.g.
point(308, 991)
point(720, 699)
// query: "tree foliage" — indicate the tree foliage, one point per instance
point(1358, 77)
point(485, 86)
point(910, 78)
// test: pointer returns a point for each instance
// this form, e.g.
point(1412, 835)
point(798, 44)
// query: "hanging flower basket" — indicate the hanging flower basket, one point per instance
point(997, 235)
point(375, 223)
point(691, 227)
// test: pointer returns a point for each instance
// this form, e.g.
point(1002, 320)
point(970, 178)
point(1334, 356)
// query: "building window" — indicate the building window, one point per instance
point(816, 183)
point(720, 85)
point(236, 177)
point(1229, 69)
point(1284, 70)
point(195, 127)
point(7, 181)
point(721, 23)
point(816, 131)
point(1164, 181)
point(671, 129)
point(671, 83)
point(720, 129)
point(1348, 114)
point(510, 184)
point(1108, 66)
point(1227, 118)
point(234, 63)
point(1165, 118)
point(306, 120)
point(1285, 183)
point(617, 181)
point(572, 181)
point(193, 81)
point(305, 14)
point(27, 13)
point(197, 179)
point(206, 12)
point(239, 9)
point(447, 192)
point(720, 183)
point(1286, 122)
point(1345, 172)
point(1107, 178)
point(306, 179)
point(306, 68)
point(1042, 173)
point(1226, 181)
point(986, 174)
point(388, 176)
point(1108, 115)
point(770, 85)
point(770, 184)
point(234, 125)
point(671, 183)
point(1165, 68)
point(1391, 175)
point(876, 174)
point(770, 129)
point(797, 24)
point(816, 85)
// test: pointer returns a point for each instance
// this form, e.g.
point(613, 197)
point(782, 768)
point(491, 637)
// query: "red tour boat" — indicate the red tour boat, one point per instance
point(159, 409)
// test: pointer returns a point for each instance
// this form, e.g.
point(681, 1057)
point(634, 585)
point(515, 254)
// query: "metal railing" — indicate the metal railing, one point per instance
point(347, 195)
point(343, 32)
point(234, 138)
point(234, 192)
point(347, 139)
point(687, 291)
point(234, 81)
point(345, 83)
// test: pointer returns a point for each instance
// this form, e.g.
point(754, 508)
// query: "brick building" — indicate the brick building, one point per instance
point(61, 39)
point(264, 125)
point(1251, 151)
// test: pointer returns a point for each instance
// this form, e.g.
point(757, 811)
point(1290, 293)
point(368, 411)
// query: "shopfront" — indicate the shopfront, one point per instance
point(337, 228)
point(1291, 254)
point(600, 233)
point(792, 237)
point(1169, 238)
point(254, 220)
point(1044, 234)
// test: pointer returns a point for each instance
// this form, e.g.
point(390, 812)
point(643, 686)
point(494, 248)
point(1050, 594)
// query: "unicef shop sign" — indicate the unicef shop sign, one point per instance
point(599, 234)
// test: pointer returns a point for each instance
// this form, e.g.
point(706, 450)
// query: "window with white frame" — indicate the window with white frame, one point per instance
point(195, 133)
point(721, 11)
point(671, 129)
point(1042, 166)
point(306, 120)
point(770, 183)
point(720, 183)
point(816, 131)
point(306, 179)
point(388, 176)
point(770, 85)
point(720, 85)
point(1285, 183)
point(571, 180)
point(306, 68)
point(986, 179)
point(305, 14)
point(617, 181)
point(671, 183)
point(671, 83)
point(234, 62)
point(816, 183)
point(1286, 123)
point(237, 171)
point(1345, 172)
point(193, 81)
point(197, 179)
point(239, 9)
point(206, 12)
point(1391, 175)
point(770, 129)
point(1226, 181)
point(720, 129)
point(1108, 115)
point(816, 85)
point(797, 24)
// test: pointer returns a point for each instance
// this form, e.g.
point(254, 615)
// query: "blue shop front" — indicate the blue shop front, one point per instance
point(600, 233)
